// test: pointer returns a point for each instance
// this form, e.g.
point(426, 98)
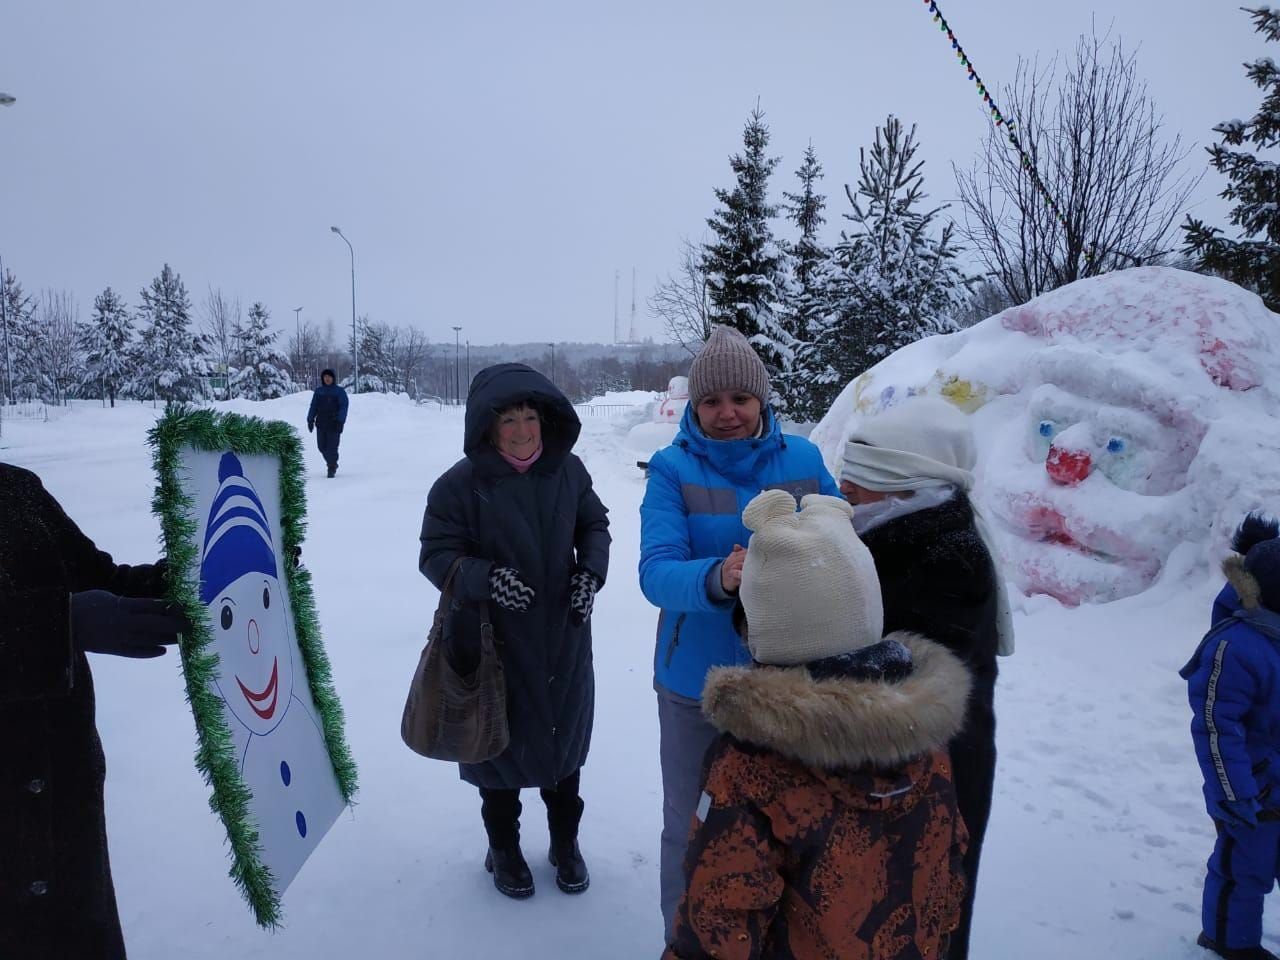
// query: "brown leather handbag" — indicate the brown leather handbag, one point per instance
point(448, 716)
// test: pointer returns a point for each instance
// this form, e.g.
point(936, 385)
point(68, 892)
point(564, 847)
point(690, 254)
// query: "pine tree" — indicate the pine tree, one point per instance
point(1253, 260)
point(108, 339)
point(18, 311)
point(745, 268)
point(806, 311)
point(894, 282)
point(260, 365)
point(172, 354)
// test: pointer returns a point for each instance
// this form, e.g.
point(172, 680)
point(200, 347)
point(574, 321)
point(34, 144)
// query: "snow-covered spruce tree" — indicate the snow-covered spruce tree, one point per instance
point(18, 312)
point(107, 341)
point(260, 366)
point(172, 354)
point(806, 311)
point(894, 281)
point(746, 269)
point(1253, 260)
point(377, 369)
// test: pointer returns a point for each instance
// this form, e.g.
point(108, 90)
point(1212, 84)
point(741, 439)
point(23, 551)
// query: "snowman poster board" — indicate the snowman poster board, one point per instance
point(232, 504)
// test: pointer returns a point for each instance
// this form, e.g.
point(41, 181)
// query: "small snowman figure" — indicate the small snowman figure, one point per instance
point(280, 744)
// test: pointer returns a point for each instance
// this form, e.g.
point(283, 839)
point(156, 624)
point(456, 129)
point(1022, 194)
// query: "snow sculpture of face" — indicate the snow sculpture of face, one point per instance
point(240, 586)
point(1108, 415)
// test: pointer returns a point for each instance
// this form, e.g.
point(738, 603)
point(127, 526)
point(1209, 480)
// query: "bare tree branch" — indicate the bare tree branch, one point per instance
point(1100, 149)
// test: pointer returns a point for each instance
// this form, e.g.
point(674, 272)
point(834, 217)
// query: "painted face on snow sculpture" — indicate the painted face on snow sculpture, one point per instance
point(1101, 410)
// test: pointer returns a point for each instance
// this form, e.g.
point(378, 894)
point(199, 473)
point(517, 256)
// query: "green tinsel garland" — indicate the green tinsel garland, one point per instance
point(183, 426)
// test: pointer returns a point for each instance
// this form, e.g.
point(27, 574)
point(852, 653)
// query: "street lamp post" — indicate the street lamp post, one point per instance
point(297, 336)
point(355, 340)
point(553, 362)
point(457, 384)
point(6, 100)
point(4, 319)
point(468, 366)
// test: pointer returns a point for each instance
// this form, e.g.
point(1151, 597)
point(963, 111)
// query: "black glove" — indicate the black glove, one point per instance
point(102, 622)
point(311, 426)
point(338, 428)
point(582, 596)
point(509, 591)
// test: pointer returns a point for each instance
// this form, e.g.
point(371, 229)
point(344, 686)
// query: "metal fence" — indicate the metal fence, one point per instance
point(29, 410)
point(605, 409)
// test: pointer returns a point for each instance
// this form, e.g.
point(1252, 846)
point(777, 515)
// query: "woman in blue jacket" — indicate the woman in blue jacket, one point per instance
point(729, 448)
point(1233, 683)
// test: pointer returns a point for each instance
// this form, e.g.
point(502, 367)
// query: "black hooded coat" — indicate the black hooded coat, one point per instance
point(546, 524)
point(56, 895)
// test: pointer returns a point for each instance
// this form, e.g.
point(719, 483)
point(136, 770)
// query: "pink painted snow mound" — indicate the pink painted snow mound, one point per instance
point(1125, 423)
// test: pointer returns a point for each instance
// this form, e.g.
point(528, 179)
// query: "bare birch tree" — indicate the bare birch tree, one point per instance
point(1100, 148)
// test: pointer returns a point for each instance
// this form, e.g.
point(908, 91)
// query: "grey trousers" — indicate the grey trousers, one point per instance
point(685, 736)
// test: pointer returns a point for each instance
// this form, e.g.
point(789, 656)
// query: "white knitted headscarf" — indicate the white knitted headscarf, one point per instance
point(920, 444)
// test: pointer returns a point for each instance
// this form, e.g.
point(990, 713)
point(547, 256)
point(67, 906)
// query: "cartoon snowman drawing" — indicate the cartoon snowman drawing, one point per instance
point(261, 679)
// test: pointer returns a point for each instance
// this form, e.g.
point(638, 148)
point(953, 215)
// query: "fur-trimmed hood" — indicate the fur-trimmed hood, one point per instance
point(1245, 584)
point(840, 722)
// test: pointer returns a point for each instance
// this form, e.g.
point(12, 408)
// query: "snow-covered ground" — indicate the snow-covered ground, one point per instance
point(1097, 840)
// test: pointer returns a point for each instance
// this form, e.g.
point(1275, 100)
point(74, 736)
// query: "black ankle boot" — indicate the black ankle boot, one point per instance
point(511, 874)
point(571, 869)
point(1236, 953)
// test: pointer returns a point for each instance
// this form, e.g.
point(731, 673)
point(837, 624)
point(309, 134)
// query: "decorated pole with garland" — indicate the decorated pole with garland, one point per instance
point(184, 428)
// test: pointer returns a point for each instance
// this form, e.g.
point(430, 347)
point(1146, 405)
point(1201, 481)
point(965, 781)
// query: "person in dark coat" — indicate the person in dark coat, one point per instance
point(61, 597)
point(520, 511)
point(1233, 686)
point(908, 471)
point(327, 415)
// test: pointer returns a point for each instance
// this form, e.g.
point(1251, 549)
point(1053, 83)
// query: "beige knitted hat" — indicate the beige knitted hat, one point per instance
point(727, 362)
point(809, 585)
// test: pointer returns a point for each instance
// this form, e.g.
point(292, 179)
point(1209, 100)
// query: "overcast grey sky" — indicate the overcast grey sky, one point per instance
point(493, 163)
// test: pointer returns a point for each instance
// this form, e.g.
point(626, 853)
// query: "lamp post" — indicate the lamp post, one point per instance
point(4, 319)
point(468, 366)
point(553, 362)
point(457, 384)
point(355, 340)
point(297, 337)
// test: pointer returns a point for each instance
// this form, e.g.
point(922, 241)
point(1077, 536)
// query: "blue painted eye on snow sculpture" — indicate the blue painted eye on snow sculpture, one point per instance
point(1115, 445)
point(1046, 428)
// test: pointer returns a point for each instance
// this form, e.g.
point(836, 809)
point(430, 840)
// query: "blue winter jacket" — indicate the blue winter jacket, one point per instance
point(1233, 684)
point(690, 519)
point(328, 406)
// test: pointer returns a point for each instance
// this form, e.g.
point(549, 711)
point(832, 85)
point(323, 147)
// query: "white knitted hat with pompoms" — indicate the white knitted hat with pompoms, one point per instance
point(809, 585)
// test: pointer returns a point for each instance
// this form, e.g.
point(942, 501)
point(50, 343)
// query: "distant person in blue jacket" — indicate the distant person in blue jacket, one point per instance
point(692, 546)
point(1233, 682)
point(326, 416)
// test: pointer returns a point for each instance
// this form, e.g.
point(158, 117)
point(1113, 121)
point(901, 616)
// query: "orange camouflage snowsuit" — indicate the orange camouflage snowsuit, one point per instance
point(828, 825)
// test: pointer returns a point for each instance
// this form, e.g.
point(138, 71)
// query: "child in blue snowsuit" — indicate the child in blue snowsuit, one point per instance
point(1233, 683)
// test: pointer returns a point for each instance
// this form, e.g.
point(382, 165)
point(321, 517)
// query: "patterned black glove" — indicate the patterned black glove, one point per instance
point(582, 596)
point(509, 591)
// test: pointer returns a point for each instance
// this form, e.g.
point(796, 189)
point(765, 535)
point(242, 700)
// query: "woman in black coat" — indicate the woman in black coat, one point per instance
point(60, 596)
point(907, 472)
point(533, 539)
